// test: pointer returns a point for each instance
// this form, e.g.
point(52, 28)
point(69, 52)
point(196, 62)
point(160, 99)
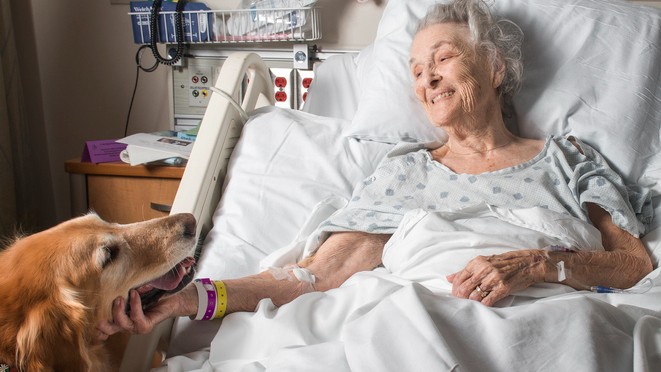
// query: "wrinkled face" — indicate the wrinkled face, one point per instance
point(451, 79)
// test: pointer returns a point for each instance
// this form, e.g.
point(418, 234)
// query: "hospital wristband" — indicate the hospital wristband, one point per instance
point(221, 299)
point(206, 294)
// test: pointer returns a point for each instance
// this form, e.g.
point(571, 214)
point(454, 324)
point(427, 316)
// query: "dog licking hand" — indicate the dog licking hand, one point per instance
point(56, 285)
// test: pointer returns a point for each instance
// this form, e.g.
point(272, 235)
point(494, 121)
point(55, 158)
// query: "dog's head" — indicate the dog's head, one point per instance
point(57, 284)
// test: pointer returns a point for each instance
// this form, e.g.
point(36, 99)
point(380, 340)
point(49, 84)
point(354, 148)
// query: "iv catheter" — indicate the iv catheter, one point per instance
point(643, 287)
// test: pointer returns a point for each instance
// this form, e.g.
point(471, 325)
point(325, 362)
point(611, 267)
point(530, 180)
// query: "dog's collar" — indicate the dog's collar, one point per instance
point(7, 368)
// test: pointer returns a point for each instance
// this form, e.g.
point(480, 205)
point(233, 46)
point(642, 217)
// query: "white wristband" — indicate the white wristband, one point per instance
point(202, 300)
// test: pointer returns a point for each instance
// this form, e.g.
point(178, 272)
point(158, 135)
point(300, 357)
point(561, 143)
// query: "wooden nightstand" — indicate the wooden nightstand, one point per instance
point(122, 193)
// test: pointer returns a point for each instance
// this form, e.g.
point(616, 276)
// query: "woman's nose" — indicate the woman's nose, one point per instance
point(431, 78)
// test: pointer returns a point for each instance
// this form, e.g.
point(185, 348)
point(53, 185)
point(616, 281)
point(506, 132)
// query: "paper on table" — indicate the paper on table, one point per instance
point(146, 148)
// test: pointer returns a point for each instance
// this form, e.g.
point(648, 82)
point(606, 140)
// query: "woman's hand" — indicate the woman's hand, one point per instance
point(490, 279)
point(183, 303)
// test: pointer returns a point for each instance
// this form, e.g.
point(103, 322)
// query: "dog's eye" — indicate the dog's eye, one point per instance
point(110, 252)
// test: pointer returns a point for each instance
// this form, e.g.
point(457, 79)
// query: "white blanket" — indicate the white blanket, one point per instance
point(402, 317)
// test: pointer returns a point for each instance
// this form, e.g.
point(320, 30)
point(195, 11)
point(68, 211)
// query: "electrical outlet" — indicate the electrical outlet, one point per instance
point(304, 81)
point(283, 87)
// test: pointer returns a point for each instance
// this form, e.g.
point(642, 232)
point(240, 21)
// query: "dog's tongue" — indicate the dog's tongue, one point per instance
point(171, 279)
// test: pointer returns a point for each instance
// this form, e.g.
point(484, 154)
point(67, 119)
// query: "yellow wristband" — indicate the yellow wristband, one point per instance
point(221, 299)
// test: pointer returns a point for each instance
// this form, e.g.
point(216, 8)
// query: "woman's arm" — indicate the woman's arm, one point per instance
point(623, 263)
point(343, 255)
point(339, 257)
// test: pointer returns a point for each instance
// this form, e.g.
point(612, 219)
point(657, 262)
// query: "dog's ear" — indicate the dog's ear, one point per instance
point(52, 335)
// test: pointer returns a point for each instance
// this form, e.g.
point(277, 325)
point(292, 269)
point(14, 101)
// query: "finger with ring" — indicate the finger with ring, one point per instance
point(482, 292)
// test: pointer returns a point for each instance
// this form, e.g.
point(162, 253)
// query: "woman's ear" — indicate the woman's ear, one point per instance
point(498, 74)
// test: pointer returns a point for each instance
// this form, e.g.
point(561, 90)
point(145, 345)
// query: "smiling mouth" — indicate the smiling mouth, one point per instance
point(171, 282)
point(438, 97)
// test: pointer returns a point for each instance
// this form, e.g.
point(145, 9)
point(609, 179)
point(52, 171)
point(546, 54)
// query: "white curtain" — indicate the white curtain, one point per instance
point(25, 191)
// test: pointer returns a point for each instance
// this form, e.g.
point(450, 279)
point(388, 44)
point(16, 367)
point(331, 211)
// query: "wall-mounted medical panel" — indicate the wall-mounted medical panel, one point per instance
point(192, 80)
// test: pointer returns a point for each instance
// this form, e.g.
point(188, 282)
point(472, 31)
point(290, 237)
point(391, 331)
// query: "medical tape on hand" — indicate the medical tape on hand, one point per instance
point(291, 272)
point(562, 273)
point(303, 275)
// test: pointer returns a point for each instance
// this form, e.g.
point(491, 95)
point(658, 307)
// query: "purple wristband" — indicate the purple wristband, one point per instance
point(211, 298)
point(559, 248)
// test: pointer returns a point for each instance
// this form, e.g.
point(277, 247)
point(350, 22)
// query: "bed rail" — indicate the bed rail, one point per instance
point(200, 188)
point(219, 131)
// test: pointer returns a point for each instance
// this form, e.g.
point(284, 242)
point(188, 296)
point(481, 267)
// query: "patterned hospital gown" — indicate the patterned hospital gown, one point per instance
point(559, 178)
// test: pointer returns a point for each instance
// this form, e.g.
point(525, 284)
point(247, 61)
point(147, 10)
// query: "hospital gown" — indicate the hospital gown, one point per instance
point(559, 178)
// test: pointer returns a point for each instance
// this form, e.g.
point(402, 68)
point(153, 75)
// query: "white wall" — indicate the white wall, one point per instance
point(86, 70)
point(79, 70)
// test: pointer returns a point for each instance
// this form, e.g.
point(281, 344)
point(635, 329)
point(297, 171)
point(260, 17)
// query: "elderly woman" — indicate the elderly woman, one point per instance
point(466, 67)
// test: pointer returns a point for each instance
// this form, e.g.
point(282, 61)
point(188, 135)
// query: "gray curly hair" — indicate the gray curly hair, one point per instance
point(500, 40)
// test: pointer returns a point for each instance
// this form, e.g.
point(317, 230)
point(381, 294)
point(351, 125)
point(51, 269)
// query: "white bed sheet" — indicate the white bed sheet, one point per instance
point(292, 167)
point(285, 163)
point(402, 317)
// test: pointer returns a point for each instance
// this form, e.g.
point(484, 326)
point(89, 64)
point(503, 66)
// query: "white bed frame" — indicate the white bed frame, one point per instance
point(244, 78)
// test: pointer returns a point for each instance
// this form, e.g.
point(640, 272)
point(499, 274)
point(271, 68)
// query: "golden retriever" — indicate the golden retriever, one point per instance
point(56, 285)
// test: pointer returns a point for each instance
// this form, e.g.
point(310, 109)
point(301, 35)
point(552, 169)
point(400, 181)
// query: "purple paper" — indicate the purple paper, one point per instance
point(102, 151)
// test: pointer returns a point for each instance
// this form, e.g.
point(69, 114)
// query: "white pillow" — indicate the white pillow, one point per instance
point(592, 69)
point(284, 164)
point(334, 90)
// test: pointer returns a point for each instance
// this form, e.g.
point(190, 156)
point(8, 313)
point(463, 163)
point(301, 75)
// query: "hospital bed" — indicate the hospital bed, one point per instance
point(261, 178)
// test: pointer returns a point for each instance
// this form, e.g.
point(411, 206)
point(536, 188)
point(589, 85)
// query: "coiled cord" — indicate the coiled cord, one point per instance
point(179, 29)
point(153, 29)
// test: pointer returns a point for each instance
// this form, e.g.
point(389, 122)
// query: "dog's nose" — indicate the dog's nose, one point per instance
point(189, 223)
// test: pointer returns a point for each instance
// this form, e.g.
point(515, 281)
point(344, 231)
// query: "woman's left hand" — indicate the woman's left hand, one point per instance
point(490, 279)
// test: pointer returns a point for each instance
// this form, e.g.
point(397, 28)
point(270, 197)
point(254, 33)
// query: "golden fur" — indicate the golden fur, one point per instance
point(56, 285)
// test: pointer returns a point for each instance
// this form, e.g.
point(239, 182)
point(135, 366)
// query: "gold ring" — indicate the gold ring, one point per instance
point(482, 292)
